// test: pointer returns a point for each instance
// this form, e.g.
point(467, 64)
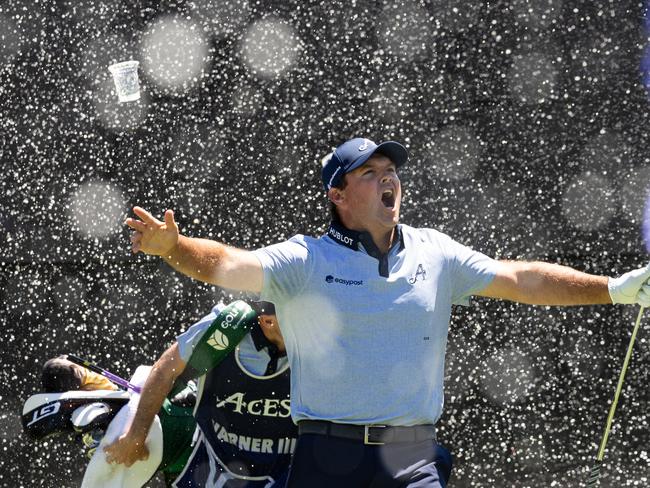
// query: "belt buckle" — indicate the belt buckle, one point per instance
point(366, 435)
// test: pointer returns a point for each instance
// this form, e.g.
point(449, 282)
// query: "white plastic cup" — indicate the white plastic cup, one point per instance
point(127, 84)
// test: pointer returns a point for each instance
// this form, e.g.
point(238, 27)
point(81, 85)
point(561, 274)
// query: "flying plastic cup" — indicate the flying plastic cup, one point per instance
point(125, 76)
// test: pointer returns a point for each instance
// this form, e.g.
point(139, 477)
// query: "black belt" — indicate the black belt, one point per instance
point(369, 434)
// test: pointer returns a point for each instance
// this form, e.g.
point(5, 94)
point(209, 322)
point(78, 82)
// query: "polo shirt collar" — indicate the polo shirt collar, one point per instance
point(352, 239)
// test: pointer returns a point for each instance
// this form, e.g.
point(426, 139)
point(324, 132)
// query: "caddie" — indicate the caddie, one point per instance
point(245, 436)
point(364, 311)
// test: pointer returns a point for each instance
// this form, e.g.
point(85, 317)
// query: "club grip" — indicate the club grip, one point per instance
point(594, 475)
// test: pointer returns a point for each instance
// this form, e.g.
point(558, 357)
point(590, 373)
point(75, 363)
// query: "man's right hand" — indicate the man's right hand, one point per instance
point(127, 450)
point(152, 236)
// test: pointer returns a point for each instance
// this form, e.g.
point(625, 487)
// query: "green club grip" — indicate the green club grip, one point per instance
point(594, 475)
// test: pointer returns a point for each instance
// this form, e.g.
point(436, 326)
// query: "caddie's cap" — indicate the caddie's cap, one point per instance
point(263, 308)
point(355, 152)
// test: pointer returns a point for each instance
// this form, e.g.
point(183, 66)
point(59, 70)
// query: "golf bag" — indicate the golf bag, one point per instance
point(100, 416)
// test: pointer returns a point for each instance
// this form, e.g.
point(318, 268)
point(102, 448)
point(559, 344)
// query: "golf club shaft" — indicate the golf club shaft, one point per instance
point(619, 387)
point(595, 470)
point(107, 374)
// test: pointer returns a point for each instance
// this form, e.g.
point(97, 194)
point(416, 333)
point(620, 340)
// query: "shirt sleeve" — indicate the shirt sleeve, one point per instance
point(286, 269)
point(470, 271)
point(188, 340)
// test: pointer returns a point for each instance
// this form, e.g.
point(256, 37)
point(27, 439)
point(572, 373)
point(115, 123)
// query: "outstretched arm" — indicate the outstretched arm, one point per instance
point(201, 259)
point(130, 446)
point(540, 283)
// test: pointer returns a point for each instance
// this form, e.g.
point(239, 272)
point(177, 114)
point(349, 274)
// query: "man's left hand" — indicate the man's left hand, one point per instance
point(632, 287)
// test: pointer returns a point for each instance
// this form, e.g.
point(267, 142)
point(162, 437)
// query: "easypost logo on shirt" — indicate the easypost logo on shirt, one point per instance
point(332, 279)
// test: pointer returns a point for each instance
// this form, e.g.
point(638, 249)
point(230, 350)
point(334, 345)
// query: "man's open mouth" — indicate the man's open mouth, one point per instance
point(388, 198)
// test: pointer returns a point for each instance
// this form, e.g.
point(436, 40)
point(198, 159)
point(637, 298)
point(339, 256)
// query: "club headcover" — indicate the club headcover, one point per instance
point(47, 414)
point(96, 415)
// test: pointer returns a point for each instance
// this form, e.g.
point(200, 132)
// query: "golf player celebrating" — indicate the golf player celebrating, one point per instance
point(364, 311)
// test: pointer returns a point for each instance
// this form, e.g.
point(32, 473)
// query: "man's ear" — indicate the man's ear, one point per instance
point(335, 195)
point(266, 320)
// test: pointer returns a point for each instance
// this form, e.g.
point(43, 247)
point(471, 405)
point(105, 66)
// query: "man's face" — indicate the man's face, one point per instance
point(271, 329)
point(373, 195)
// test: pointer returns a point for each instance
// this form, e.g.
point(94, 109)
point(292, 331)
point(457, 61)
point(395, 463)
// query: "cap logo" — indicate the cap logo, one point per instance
point(363, 146)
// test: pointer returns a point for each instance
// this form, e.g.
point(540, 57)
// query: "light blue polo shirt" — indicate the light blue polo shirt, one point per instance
point(365, 348)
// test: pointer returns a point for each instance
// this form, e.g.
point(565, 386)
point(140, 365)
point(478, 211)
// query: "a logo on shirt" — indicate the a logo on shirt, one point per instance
point(265, 407)
point(420, 273)
point(218, 340)
point(342, 238)
point(332, 279)
point(283, 445)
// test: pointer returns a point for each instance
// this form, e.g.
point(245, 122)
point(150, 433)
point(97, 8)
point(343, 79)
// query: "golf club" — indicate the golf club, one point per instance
point(594, 475)
point(107, 374)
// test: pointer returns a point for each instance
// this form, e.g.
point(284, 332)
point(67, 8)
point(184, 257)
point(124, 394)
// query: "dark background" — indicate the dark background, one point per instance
point(526, 122)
